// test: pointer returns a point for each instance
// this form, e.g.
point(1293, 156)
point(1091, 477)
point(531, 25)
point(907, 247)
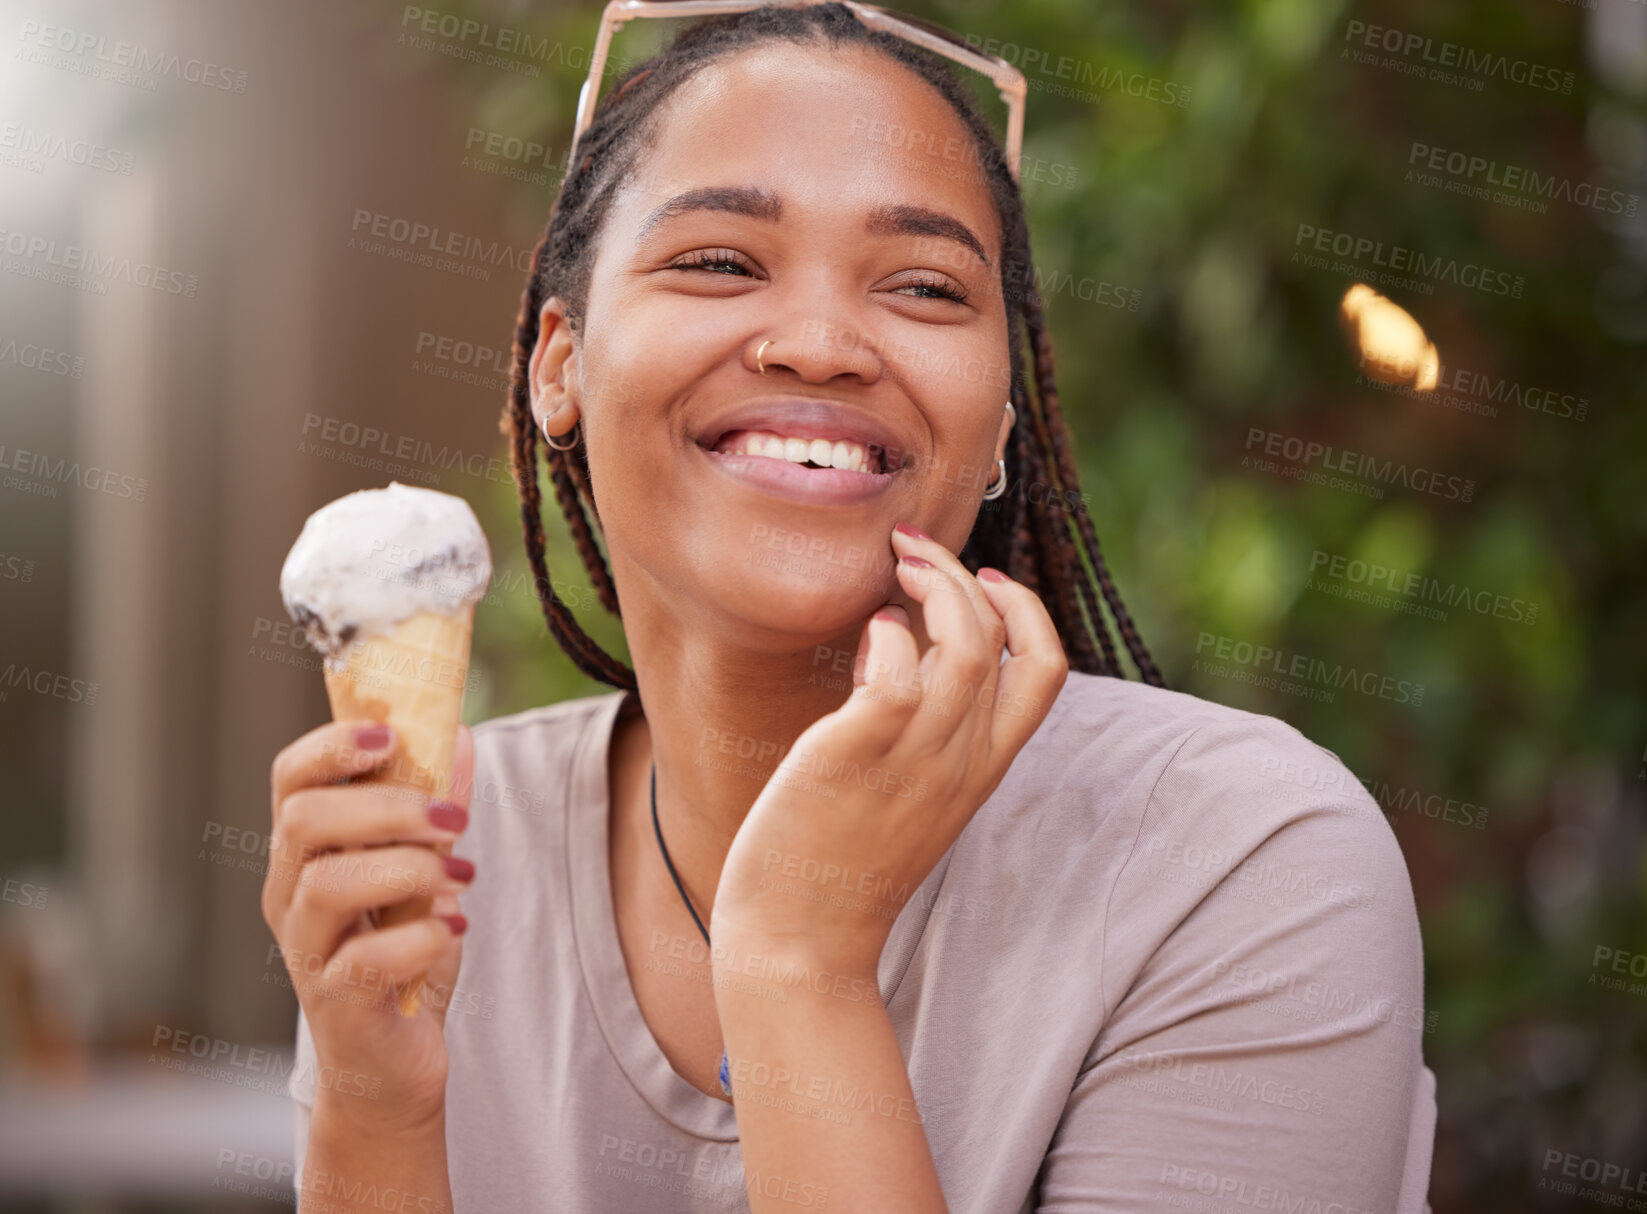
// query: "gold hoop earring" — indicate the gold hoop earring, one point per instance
point(574, 432)
point(758, 352)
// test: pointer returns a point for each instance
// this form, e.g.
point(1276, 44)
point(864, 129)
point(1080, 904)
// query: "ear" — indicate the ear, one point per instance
point(552, 371)
point(1008, 416)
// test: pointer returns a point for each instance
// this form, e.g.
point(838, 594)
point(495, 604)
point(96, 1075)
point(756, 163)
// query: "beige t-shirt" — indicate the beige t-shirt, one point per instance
point(1173, 962)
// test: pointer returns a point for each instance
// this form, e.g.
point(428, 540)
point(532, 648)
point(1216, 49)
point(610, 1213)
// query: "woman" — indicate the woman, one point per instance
point(988, 935)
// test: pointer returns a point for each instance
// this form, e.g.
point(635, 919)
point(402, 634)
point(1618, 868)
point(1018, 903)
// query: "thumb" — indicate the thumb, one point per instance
point(861, 659)
point(440, 981)
point(872, 664)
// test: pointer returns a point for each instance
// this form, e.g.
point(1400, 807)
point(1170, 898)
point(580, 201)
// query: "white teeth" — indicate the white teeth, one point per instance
point(839, 453)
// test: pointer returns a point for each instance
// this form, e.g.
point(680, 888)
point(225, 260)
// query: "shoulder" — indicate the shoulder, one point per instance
point(1228, 780)
point(1148, 719)
point(544, 720)
point(1237, 933)
point(1134, 747)
point(1167, 810)
point(525, 761)
point(537, 737)
point(1248, 830)
point(1165, 750)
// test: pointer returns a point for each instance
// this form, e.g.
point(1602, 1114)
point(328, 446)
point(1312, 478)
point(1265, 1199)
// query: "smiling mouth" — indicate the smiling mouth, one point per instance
point(841, 455)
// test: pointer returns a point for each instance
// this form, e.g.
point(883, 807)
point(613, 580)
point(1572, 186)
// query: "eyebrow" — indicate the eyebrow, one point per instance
point(756, 203)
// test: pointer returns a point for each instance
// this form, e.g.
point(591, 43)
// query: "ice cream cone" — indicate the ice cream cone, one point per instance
point(413, 678)
point(384, 583)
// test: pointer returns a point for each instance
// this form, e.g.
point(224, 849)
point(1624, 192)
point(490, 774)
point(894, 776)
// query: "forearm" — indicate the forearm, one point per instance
point(826, 1115)
point(349, 1169)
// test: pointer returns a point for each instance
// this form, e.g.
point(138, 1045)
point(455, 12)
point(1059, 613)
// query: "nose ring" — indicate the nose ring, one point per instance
point(758, 361)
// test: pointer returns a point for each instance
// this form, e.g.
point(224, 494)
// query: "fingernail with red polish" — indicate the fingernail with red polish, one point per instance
point(373, 737)
point(914, 533)
point(457, 923)
point(993, 575)
point(448, 816)
point(457, 868)
point(918, 562)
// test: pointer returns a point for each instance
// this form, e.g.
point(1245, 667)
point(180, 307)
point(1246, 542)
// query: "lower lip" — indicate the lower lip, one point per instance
point(781, 478)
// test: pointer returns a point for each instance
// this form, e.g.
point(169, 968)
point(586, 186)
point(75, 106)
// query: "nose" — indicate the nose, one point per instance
point(803, 343)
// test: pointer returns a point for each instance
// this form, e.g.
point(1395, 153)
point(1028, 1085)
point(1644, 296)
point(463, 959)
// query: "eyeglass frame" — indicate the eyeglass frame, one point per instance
point(1008, 80)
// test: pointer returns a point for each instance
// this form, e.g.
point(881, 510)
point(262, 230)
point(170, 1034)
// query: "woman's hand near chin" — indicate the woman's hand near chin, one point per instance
point(873, 794)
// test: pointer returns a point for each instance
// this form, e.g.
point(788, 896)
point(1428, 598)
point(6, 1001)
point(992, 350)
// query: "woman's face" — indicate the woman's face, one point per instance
point(826, 203)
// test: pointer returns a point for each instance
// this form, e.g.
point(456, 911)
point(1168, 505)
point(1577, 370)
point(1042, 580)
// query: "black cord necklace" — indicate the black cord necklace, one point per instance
point(725, 1074)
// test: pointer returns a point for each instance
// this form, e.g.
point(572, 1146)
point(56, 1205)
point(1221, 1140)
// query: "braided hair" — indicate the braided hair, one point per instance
point(1037, 532)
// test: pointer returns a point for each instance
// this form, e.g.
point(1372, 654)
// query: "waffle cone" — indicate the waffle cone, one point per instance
point(413, 679)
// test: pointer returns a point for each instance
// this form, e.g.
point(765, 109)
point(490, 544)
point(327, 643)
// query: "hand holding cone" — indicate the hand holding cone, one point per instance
point(385, 581)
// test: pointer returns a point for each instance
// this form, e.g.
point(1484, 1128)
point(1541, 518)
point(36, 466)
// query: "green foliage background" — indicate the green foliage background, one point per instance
point(1197, 209)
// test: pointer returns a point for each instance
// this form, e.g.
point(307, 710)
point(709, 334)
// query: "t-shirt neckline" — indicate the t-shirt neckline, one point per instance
point(601, 956)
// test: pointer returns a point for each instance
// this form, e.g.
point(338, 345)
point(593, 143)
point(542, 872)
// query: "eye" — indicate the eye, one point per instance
point(940, 288)
point(711, 260)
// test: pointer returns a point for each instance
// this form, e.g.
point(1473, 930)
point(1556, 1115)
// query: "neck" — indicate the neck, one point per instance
point(718, 719)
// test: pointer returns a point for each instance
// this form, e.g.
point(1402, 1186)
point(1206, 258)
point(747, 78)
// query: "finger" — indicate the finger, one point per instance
point(442, 975)
point(370, 967)
point(886, 684)
point(914, 543)
point(445, 904)
point(956, 669)
point(329, 754)
point(886, 695)
point(325, 756)
point(335, 889)
point(1036, 666)
point(959, 670)
point(315, 820)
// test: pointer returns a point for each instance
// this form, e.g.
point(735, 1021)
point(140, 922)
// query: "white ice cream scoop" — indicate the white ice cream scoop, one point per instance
point(372, 559)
